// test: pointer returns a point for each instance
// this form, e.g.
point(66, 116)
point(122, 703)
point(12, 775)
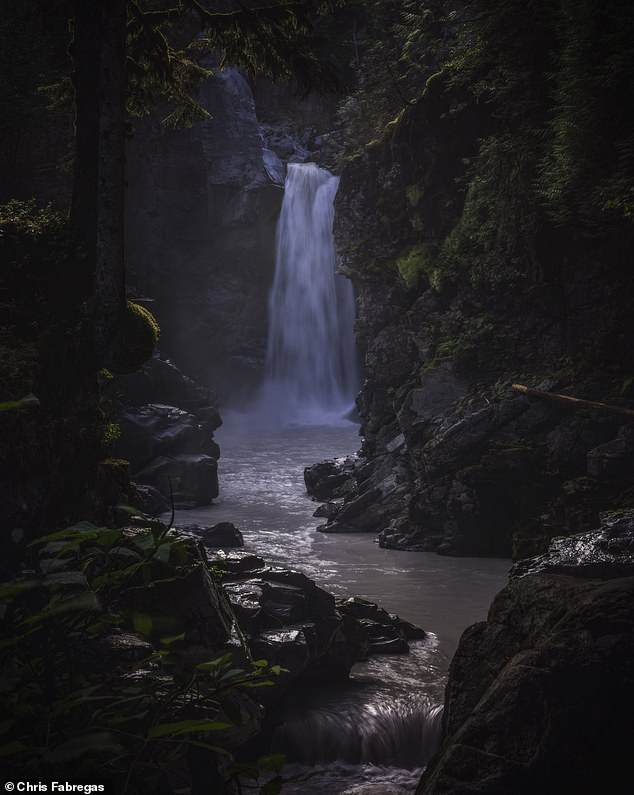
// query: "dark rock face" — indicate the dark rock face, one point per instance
point(202, 211)
point(165, 443)
point(604, 553)
point(540, 697)
point(386, 633)
point(330, 479)
point(454, 459)
point(194, 478)
point(167, 424)
point(223, 534)
point(290, 621)
point(149, 500)
point(161, 381)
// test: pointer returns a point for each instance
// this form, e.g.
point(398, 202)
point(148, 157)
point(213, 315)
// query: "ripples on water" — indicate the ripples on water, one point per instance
point(373, 736)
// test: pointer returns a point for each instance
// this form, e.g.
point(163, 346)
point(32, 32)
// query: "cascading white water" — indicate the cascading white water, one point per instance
point(386, 732)
point(311, 366)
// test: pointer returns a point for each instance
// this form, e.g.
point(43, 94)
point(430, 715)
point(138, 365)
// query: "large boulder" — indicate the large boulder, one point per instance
point(330, 479)
point(540, 697)
point(193, 478)
point(288, 620)
point(161, 381)
point(223, 534)
point(154, 430)
point(171, 453)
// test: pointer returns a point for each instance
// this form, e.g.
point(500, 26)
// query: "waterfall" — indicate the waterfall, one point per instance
point(397, 734)
point(311, 366)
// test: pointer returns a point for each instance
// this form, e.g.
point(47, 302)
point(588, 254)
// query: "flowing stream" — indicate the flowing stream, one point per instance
point(375, 733)
point(381, 729)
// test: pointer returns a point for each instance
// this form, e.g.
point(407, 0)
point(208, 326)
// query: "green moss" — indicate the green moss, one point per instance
point(414, 194)
point(416, 261)
point(417, 223)
point(135, 342)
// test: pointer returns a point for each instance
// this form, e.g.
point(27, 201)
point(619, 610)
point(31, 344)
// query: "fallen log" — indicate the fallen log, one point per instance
point(571, 402)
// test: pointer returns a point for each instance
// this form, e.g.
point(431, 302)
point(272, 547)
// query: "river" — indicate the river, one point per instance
point(374, 735)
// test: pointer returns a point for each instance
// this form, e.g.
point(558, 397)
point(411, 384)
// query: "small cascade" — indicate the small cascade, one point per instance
point(396, 734)
point(311, 364)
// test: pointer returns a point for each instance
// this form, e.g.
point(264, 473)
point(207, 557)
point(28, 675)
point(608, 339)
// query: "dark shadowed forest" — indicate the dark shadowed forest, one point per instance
point(316, 396)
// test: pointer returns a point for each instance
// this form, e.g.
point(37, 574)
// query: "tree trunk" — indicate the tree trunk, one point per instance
point(109, 265)
point(97, 209)
point(572, 402)
point(86, 49)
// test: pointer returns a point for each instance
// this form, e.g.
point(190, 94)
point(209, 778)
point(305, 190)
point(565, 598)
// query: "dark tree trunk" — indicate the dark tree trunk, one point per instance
point(109, 265)
point(97, 209)
point(86, 51)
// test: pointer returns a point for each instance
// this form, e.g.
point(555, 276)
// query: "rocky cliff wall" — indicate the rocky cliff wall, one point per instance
point(451, 312)
point(540, 696)
point(201, 215)
point(202, 209)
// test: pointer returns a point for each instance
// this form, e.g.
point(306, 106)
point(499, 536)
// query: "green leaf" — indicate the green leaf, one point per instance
point(212, 665)
point(272, 762)
point(95, 743)
point(142, 623)
point(244, 771)
point(17, 587)
point(28, 401)
point(215, 748)
point(187, 727)
point(233, 673)
point(263, 683)
point(78, 603)
point(143, 541)
point(13, 748)
point(272, 787)
point(167, 641)
point(260, 663)
point(163, 552)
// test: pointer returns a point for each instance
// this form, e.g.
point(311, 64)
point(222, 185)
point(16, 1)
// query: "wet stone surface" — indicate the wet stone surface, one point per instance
point(605, 553)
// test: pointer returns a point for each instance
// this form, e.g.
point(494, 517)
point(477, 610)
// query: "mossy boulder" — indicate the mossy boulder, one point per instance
point(135, 341)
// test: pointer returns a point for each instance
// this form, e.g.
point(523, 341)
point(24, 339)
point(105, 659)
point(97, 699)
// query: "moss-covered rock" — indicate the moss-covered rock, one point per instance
point(135, 341)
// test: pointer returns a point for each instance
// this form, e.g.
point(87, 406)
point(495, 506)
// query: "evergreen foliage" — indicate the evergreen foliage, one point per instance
point(546, 85)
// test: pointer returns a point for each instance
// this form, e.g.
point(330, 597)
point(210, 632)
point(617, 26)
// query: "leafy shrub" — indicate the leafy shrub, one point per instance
point(66, 710)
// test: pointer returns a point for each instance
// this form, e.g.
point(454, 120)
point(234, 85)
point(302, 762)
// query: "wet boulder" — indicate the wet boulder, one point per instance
point(157, 430)
point(540, 696)
point(386, 633)
point(149, 500)
point(193, 477)
point(287, 619)
point(328, 510)
point(223, 534)
point(191, 603)
point(605, 553)
point(160, 381)
point(330, 479)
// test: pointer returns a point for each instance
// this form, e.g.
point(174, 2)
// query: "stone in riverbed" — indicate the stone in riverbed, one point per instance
point(328, 510)
point(223, 534)
point(150, 500)
point(386, 632)
point(330, 479)
point(194, 478)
